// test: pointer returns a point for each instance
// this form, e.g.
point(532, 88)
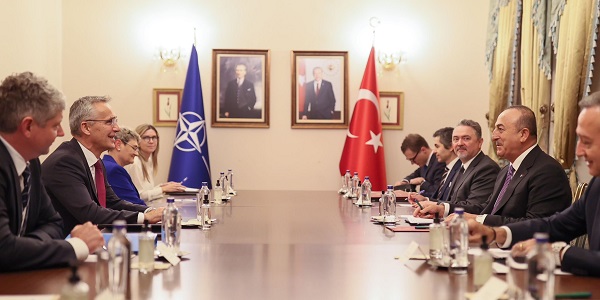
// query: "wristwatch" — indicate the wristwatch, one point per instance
point(556, 249)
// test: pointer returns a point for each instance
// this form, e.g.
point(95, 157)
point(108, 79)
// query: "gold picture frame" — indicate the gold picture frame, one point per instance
point(314, 106)
point(167, 103)
point(245, 102)
point(391, 106)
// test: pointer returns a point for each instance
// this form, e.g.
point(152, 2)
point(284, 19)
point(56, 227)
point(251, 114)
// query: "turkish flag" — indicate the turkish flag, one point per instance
point(363, 150)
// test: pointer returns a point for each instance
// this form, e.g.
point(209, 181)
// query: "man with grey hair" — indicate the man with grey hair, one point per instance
point(475, 180)
point(31, 232)
point(75, 177)
point(580, 218)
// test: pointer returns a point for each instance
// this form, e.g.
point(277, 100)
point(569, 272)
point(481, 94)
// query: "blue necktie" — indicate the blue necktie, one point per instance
point(509, 177)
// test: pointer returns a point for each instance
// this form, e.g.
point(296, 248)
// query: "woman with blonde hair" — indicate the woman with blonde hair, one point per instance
point(145, 166)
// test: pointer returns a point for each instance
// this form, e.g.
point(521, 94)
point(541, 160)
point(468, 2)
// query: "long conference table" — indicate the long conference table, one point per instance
point(287, 245)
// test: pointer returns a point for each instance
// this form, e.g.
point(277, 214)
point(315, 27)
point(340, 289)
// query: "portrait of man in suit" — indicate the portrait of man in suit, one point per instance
point(240, 96)
point(320, 89)
point(319, 102)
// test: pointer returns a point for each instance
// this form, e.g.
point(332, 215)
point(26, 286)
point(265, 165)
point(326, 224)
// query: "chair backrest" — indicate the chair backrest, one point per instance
point(579, 191)
point(582, 241)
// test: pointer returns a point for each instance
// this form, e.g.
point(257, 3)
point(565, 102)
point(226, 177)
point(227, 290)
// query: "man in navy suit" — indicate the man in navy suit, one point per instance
point(534, 185)
point(429, 174)
point(75, 177)
point(319, 102)
point(31, 231)
point(474, 182)
point(240, 96)
point(580, 218)
point(445, 154)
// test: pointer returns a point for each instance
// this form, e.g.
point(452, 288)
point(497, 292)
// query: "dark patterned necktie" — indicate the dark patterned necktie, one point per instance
point(26, 186)
point(509, 177)
point(25, 198)
point(100, 187)
point(444, 175)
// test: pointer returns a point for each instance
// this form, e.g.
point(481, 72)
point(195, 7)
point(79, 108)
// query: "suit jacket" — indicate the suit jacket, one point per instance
point(42, 245)
point(474, 187)
point(444, 192)
point(239, 101)
point(433, 176)
point(322, 105)
point(120, 181)
point(580, 218)
point(70, 185)
point(538, 189)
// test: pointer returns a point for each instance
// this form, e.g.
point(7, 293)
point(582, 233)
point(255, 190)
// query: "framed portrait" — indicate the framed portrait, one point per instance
point(319, 89)
point(392, 110)
point(240, 88)
point(166, 106)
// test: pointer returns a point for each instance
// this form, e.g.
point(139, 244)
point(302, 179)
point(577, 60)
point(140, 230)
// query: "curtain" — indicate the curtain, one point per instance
point(536, 57)
point(575, 35)
point(505, 14)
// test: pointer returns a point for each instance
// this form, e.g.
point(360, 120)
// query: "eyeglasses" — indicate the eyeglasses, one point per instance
point(412, 160)
point(135, 148)
point(111, 122)
point(150, 138)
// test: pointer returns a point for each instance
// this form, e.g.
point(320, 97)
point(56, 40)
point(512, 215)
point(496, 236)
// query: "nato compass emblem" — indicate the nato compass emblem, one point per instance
point(192, 132)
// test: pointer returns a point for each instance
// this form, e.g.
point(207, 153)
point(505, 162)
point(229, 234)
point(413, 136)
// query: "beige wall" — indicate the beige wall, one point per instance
point(108, 47)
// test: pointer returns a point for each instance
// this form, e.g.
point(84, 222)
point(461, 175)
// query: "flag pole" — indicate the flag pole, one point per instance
point(195, 38)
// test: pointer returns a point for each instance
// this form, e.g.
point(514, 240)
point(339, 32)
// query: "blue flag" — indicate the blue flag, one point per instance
point(190, 162)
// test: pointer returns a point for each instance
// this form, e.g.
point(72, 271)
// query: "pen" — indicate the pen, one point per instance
point(574, 295)
point(418, 203)
point(183, 181)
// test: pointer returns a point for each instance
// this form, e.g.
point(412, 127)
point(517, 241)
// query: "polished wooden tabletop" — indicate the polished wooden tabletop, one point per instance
point(287, 245)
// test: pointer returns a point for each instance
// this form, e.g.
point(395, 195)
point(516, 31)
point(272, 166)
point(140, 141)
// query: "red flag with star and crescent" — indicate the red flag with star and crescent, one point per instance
point(363, 150)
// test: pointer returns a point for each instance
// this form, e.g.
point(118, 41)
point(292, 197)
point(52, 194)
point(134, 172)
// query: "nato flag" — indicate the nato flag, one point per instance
point(190, 160)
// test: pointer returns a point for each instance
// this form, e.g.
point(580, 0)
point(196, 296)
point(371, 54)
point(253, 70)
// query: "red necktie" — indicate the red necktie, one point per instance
point(100, 187)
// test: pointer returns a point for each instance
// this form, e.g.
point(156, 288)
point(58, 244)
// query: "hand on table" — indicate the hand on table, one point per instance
point(154, 216)
point(429, 210)
point(89, 234)
point(522, 248)
point(172, 187)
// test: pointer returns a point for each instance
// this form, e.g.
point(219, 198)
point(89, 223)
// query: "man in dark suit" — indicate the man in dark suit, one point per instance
point(580, 218)
point(534, 185)
point(75, 177)
point(31, 232)
point(319, 102)
point(240, 96)
point(474, 182)
point(429, 174)
point(444, 153)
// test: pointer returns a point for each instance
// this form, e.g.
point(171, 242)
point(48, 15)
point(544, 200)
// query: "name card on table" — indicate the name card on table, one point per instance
point(168, 253)
point(409, 253)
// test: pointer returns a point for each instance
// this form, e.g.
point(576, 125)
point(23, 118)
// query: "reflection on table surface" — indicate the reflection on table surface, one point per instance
point(287, 245)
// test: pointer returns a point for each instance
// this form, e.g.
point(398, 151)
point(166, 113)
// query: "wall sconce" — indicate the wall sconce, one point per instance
point(169, 57)
point(389, 60)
